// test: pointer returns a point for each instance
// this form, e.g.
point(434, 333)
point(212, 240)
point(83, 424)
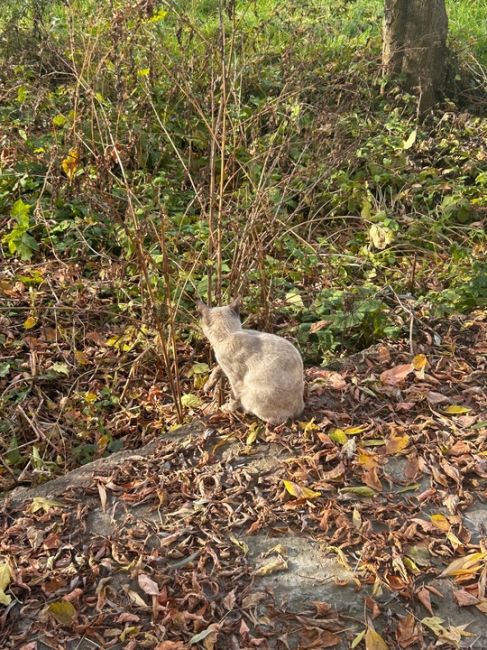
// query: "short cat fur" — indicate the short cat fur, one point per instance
point(265, 371)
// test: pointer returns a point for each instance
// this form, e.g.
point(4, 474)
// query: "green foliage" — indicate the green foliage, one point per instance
point(19, 240)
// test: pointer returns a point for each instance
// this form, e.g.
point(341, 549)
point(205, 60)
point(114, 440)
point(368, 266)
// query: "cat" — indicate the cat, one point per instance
point(265, 371)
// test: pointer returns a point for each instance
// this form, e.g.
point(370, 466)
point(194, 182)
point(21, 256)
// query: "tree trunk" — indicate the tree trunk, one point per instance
point(415, 34)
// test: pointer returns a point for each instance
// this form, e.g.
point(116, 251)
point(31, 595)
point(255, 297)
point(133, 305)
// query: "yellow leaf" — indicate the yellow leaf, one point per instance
point(191, 401)
point(420, 361)
point(468, 565)
point(453, 539)
point(276, 564)
point(454, 409)
point(407, 144)
point(41, 503)
point(63, 611)
point(367, 459)
point(30, 322)
point(374, 641)
point(357, 639)
point(81, 358)
point(353, 431)
point(299, 491)
point(411, 565)
point(338, 435)
point(5, 578)
point(395, 444)
point(308, 427)
point(440, 522)
point(70, 163)
point(435, 624)
point(90, 397)
point(254, 431)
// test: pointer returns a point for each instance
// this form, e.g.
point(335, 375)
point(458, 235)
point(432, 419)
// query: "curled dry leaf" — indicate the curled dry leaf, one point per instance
point(5, 578)
point(277, 564)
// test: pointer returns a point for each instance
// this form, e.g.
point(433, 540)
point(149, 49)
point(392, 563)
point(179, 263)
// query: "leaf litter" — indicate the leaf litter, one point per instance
point(381, 489)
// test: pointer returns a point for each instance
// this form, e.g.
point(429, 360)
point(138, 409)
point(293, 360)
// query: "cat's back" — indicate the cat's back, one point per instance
point(264, 345)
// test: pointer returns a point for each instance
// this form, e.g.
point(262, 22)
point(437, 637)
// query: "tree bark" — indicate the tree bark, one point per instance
point(414, 46)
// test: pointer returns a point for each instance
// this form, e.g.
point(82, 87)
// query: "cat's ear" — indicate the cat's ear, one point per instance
point(201, 307)
point(235, 305)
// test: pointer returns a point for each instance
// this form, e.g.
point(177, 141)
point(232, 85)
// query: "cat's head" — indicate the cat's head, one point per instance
point(218, 321)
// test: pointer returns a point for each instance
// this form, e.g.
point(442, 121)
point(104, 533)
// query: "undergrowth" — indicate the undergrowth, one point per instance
point(153, 153)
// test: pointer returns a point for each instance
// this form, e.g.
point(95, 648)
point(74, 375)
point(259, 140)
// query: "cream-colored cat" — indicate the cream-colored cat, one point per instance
point(265, 371)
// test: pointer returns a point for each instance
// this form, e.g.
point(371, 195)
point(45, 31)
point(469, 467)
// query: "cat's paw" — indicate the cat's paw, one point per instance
point(230, 406)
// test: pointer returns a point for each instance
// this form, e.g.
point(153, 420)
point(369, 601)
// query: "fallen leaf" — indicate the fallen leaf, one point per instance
point(455, 409)
point(41, 503)
point(373, 640)
point(420, 362)
point(436, 398)
point(464, 598)
point(5, 578)
point(211, 629)
point(63, 611)
point(396, 375)
point(299, 491)
point(191, 401)
point(148, 585)
point(276, 564)
point(338, 435)
point(319, 325)
point(407, 632)
point(467, 565)
point(30, 322)
point(360, 490)
point(395, 444)
point(441, 522)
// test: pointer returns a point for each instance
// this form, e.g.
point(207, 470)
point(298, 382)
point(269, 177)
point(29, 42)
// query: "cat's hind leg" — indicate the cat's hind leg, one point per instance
point(215, 376)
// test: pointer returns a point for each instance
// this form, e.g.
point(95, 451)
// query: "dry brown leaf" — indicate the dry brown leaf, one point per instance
point(148, 585)
point(397, 375)
point(464, 598)
point(407, 632)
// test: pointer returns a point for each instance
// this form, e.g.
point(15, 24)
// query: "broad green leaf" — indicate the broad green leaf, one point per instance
point(4, 369)
point(59, 120)
point(294, 299)
point(191, 401)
